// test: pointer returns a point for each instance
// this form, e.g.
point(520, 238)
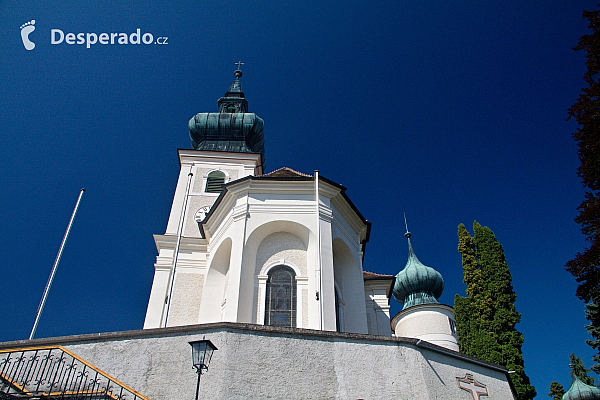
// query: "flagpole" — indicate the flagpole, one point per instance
point(56, 261)
point(177, 245)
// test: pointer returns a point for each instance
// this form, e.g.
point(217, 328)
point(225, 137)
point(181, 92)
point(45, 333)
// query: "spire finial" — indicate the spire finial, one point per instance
point(417, 283)
point(238, 71)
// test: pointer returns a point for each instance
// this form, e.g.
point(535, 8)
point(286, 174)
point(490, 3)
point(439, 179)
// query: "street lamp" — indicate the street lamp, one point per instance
point(202, 351)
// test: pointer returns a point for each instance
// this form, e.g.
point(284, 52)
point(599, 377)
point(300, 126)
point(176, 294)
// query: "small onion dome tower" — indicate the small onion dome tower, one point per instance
point(233, 129)
point(581, 391)
point(418, 288)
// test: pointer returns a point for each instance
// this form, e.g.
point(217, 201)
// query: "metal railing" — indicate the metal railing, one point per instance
point(55, 372)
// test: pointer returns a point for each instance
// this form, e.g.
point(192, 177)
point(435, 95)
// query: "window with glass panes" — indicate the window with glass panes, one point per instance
point(280, 308)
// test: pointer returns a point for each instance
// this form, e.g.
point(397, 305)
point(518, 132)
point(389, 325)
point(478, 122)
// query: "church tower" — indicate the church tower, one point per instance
point(418, 287)
point(282, 248)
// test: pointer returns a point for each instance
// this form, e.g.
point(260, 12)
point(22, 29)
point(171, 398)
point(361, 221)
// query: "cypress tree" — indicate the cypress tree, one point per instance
point(486, 318)
point(556, 391)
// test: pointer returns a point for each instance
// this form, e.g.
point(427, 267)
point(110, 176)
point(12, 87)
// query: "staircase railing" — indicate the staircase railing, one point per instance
point(55, 372)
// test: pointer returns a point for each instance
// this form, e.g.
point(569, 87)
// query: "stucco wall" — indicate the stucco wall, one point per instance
point(255, 362)
point(185, 304)
point(281, 246)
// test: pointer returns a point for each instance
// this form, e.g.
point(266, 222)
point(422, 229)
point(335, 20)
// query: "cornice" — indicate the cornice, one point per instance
point(187, 156)
point(327, 189)
point(420, 307)
point(166, 263)
point(354, 220)
point(346, 233)
point(219, 211)
point(187, 243)
point(220, 230)
point(282, 209)
point(325, 213)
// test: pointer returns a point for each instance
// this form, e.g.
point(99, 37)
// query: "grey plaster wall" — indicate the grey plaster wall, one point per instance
point(281, 246)
point(254, 362)
point(185, 304)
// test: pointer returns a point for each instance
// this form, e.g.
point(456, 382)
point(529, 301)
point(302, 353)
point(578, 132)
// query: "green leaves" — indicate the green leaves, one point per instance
point(486, 318)
point(578, 370)
point(556, 391)
point(585, 267)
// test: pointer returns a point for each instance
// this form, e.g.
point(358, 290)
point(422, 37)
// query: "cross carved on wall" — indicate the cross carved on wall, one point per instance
point(469, 384)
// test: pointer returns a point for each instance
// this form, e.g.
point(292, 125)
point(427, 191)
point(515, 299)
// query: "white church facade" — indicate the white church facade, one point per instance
point(280, 249)
point(299, 230)
point(268, 266)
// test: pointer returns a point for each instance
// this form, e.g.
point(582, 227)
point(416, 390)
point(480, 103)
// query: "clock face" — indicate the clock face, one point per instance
point(201, 214)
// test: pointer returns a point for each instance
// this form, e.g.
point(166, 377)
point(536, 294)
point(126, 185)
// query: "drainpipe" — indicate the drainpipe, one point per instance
point(319, 293)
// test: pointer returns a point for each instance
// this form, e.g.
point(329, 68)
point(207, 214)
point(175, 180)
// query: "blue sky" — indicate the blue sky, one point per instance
point(448, 111)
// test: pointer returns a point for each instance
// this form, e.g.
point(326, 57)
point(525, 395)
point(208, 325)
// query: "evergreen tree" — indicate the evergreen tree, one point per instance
point(585, 267)
point(486, 318)
point(592, 313)
point(578, 370)
point(556, 391)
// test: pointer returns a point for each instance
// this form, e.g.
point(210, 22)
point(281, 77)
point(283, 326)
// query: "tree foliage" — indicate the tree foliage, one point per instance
point(556, 391)
point(592, 313)
point(486, 318)
point(585, 267)
point(578, 370)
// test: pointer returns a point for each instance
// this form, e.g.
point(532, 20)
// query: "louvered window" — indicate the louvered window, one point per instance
point(280, 309)
point(214, 182)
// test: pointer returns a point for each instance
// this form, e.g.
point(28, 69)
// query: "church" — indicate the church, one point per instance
point(267, 266)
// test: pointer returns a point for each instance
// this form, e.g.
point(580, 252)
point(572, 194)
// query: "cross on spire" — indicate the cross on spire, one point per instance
point(238, 71)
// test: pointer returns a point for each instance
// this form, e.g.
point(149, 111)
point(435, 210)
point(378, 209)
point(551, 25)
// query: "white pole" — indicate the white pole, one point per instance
point(56, 261)
point(179, 234)
point(318, 271)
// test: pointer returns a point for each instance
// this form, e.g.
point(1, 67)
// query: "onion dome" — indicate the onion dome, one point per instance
point(417, 283)
point(581, 391)
point(233, 129)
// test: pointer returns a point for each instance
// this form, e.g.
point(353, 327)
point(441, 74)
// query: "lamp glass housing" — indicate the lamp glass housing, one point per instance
point(202, 351)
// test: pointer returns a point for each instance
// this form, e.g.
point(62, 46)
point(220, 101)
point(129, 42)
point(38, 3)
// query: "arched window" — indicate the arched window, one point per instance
point(214, 182)
point(280, 307)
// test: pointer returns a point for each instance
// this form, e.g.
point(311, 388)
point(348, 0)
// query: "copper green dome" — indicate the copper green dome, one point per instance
point(417, 283)
point(581, 391)
point(232, 129)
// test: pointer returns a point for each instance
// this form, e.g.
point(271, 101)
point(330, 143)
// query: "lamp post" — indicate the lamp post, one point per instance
point(202, 351)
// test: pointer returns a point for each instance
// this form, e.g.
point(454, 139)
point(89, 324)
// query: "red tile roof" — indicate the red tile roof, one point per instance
point(372, 275)
point(285, 172)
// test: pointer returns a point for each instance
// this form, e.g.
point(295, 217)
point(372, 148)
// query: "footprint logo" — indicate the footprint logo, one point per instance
point(26, 29)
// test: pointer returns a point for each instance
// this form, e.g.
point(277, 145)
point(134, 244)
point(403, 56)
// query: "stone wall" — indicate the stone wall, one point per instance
point(256, 362)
